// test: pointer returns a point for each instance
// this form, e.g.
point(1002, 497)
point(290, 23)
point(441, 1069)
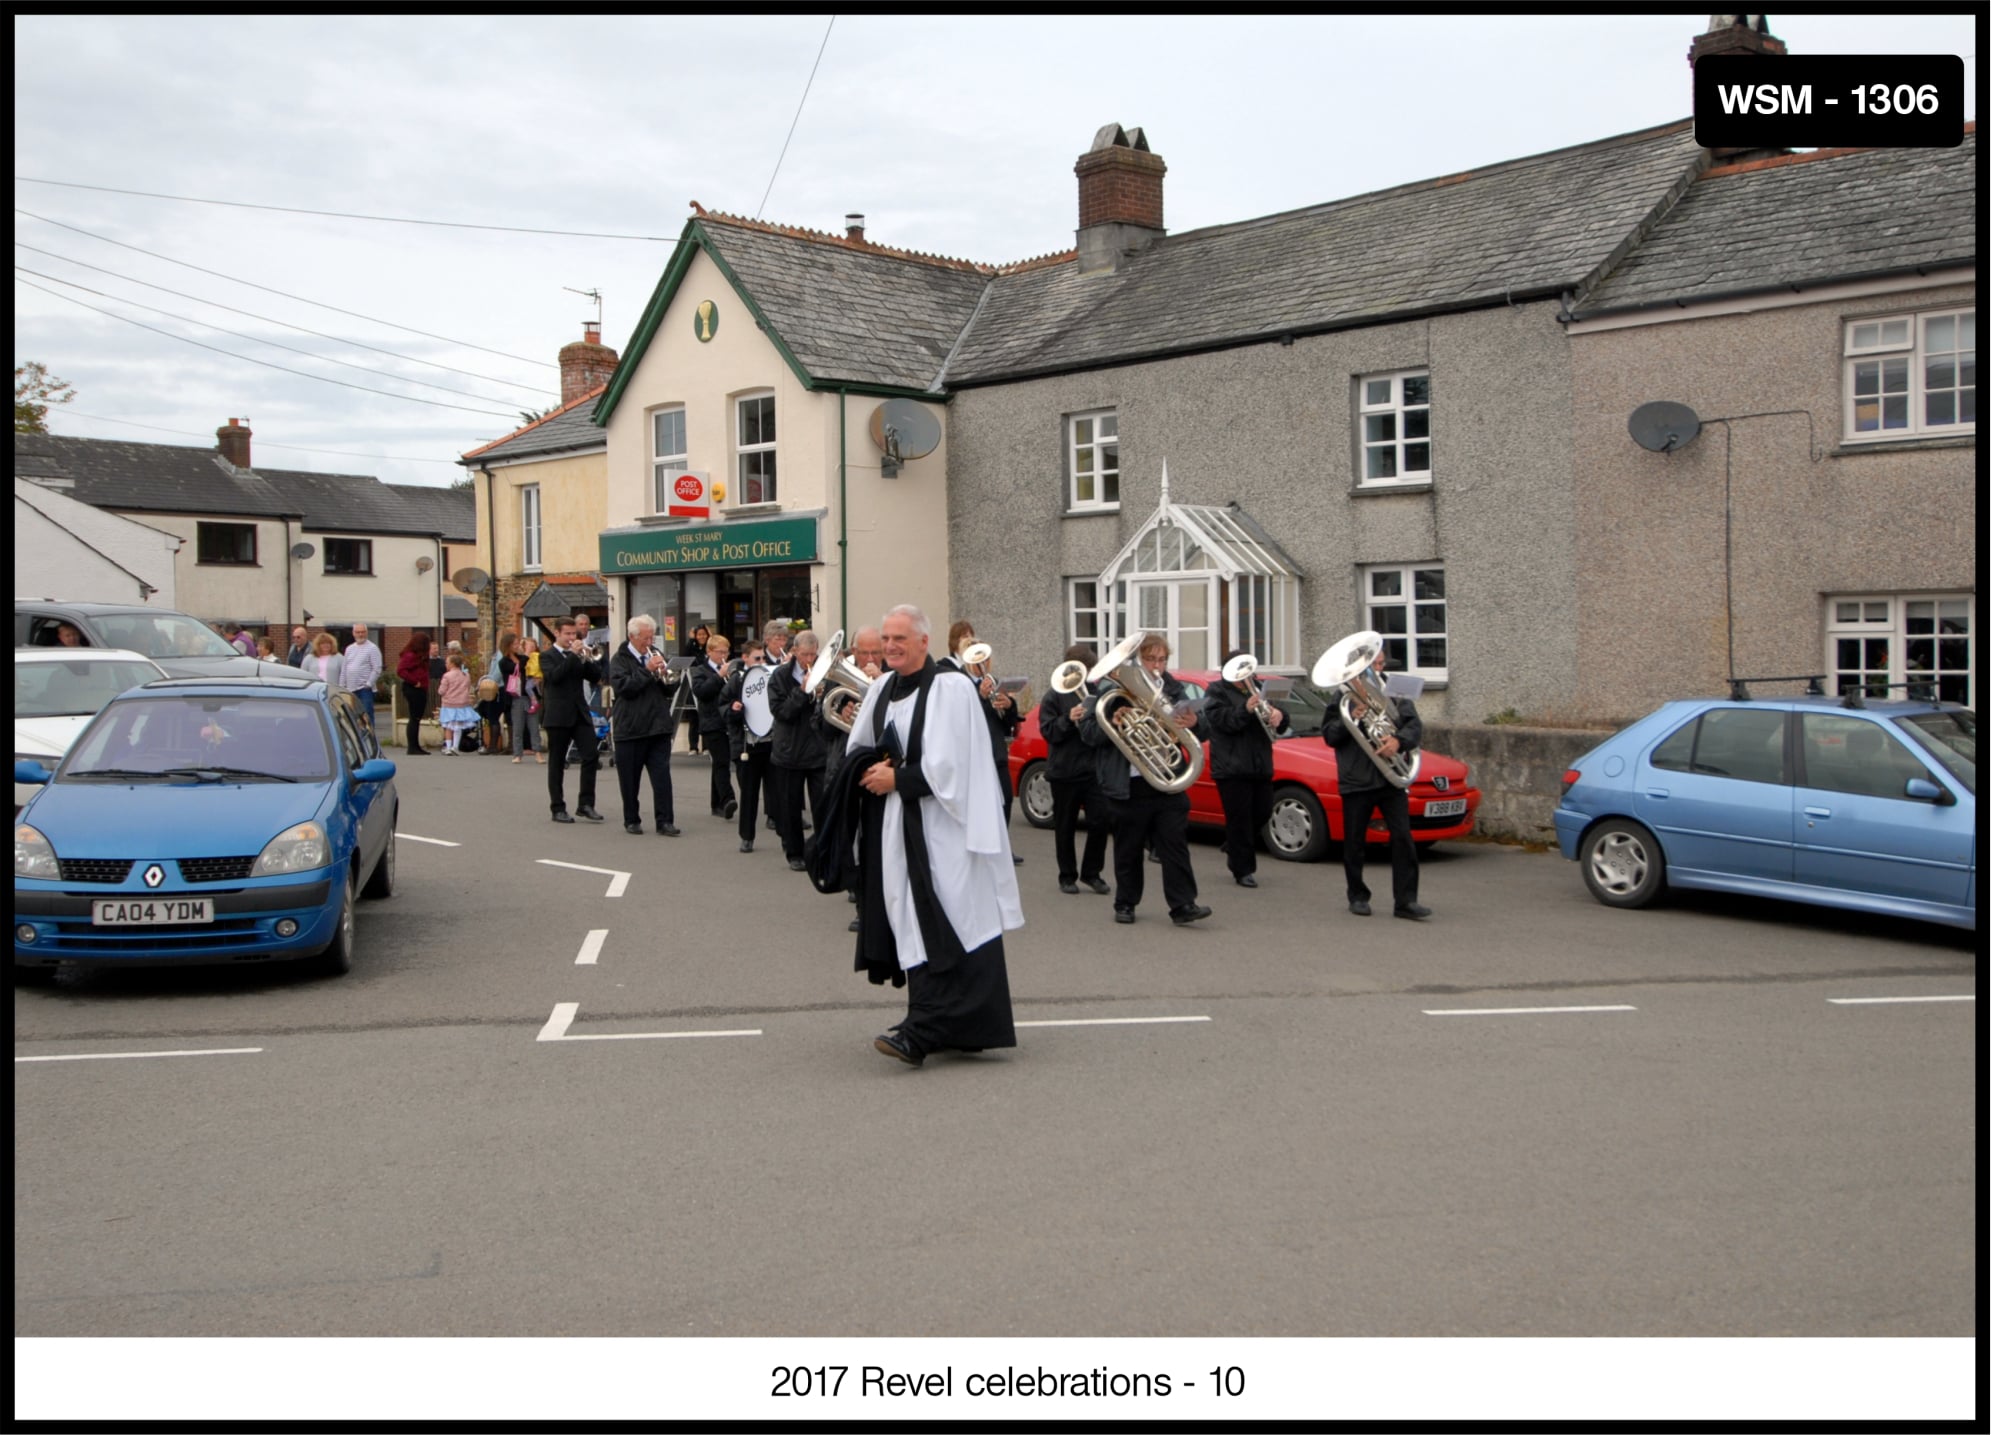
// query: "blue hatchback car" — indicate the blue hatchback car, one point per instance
point(1865, 804)
point(200, 820)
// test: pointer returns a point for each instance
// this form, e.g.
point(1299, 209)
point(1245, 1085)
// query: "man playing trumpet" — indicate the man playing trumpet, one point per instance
point(1241, 728)
point(642, 726)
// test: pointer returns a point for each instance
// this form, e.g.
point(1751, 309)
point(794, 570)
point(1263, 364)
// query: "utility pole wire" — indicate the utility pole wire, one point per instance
point(262, 444)
point(795, 117)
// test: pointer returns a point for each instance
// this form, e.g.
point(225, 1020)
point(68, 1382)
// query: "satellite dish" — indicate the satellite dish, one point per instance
point(904, 430)
point(426, 563)
point(470, 580)
point(303, 550)
point(1663, 427)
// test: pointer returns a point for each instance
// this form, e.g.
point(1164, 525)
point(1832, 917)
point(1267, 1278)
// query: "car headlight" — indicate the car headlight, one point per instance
point(33, 857)
point(297, 849)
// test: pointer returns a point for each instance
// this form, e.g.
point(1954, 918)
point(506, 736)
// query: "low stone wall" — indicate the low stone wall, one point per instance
point(1518, 771)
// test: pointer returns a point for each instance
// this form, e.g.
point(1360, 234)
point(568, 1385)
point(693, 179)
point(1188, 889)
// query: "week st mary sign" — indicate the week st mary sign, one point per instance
point(715, 545)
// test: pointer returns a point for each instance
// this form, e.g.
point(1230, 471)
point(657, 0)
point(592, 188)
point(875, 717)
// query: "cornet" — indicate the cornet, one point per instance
point(1241, 671)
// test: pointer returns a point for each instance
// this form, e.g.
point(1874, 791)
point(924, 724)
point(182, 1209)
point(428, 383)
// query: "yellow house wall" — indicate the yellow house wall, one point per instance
point(573, 507)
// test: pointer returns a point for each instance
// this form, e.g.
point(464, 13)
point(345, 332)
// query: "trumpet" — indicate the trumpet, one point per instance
point(1240, 671)
point(845, 685)
point(665, 675)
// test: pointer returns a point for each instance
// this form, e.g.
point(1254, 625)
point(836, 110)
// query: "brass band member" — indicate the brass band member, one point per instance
point(1072, 785)
point(1003, 715)
point(866, 654)
point(798, 748)
point(1240, 761)
point(1363, 791)
point(566, 719)
point(642, 732)
point(1141, 815)
point(711, 684)
point(752, 753)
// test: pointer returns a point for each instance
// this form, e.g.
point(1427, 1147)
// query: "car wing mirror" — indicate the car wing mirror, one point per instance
point(376, 769)
point(31, 772)
point(1925, 790)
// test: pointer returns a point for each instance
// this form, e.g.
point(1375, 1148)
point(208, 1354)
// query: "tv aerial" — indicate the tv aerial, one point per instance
point(905, 431)
point(1663, 427)
point(594, 295)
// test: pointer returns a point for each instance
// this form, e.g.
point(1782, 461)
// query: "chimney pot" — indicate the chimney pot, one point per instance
point(586, 363)
point(233, 440)
point(591, 332)
point(1736, 35)
point(857, 228)
point(1119, 193)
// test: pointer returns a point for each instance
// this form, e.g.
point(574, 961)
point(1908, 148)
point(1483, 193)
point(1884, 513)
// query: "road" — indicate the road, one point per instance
point(1286, 1121)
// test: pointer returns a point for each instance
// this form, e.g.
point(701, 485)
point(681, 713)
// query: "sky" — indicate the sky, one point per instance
point(953, 135)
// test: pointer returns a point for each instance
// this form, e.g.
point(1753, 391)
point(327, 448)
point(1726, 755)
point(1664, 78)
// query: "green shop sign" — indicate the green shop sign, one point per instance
point(718, 545)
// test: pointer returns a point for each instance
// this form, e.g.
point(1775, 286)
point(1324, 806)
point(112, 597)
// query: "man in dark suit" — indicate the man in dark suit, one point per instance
point(642, 727)
point(710, 676)
point(1241, 763)
point(566, 719)
point(798, 748)
point(1364, 790)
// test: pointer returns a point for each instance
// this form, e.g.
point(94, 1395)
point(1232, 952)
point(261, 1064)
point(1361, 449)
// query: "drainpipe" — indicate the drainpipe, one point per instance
point(843, 510)
point(493, 557)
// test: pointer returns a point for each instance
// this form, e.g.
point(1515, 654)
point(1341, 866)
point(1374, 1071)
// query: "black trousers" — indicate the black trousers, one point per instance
point(653, 756)
point(1070, 798)
point(1355, 810)
point(1151, 818)
point(1246, 808)
point(799, 784)
point(721, 792)
point(415, 701)
point(753, 780)
point(584, 736)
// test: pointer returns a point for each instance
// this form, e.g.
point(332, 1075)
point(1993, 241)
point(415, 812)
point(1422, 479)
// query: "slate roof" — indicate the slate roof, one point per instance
point(1809, 218)
point(850, 314)
point(568, 428)
point(460, 610)
point(448, 512)
point(558, 598)
point(1532, 226)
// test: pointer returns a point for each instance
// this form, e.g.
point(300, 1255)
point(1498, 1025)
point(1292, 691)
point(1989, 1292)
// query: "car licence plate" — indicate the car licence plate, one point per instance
point(1454, 807)
point(153, 912)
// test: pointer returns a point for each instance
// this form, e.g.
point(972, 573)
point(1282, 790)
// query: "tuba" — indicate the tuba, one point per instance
point(1167, 755)
point(838, 684)
point(1347, 669)
point(1242, 672)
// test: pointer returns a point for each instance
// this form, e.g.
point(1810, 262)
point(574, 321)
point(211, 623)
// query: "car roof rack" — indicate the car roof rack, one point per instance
point(1739, 690)
point(1919, 691)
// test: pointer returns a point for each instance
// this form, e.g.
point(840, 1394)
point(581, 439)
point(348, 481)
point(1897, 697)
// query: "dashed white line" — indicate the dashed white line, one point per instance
point(432, 841)
point(556, 1028)
point(1889, 1001)
point(618, 879)
point(132, 1055)
point(593, 943)
point(1520, 1010)
point(1114, 1021)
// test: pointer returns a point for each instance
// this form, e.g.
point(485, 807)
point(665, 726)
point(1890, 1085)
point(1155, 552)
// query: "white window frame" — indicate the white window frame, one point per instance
point(531, 528)
point(1095, 443)
point(667, 463)
point(1866, 350)
point(1885, 618)
point(1076, 607)
point(1406, 599)
point(1401, 413)
point(744, 450)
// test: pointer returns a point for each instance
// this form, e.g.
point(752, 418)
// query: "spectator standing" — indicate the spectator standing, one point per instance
point(266, 653)
point(324, 662)
point(455, 713)
point(301, 649)
point(527, 721)
point(413, 669)
point(361, 665)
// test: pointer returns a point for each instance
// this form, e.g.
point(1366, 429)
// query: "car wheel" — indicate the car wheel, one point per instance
point(337, 957)
point(1623, 865)
point(1297, 831)
point(1038, 799)
point(382, 881)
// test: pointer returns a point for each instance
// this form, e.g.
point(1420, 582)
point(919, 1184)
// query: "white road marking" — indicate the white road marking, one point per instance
point(1114, 1021)
point(618, 879)
point(130, 1055)
point(593, 943)
point(1886, 1001)
point(556, 1028)
point(1520, 1010)
point(433, 841)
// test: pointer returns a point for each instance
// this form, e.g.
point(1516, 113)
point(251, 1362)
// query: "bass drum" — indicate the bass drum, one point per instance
point(757, 702)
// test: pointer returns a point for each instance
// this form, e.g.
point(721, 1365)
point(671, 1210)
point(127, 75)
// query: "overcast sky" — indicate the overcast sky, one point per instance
point(954, 136)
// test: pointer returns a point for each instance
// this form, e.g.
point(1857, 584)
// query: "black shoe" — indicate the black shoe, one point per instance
point(890, 1043)
point(797, 864)
point(1359, 907)
point(1019, 860)
point(635, 829)
point(855, 925)
point(1124, 915)
point(1414, 912)
point(729, 808)
point(1068, 886)
point(1097, 885)
point(590, 814)
point(1246, 880)
point(745, 846)
point(560, 817)
point(1152, 856)
point(666, 829)
point(1193, 912)
point(770, 824)
point(854, 898)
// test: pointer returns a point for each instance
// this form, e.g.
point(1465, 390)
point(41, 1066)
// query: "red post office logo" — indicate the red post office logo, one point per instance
point(688, 488)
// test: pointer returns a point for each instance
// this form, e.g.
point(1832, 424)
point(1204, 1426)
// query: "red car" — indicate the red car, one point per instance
point(1305, 815)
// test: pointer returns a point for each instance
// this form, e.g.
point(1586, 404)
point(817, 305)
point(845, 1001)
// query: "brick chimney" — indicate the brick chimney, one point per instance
point(234, 441)
point(586, 363)
point(1736, 35)
point(1119, 209)
point(857, 231)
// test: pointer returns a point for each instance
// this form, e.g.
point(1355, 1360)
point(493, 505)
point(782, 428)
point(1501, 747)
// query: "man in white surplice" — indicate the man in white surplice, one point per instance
point(937, 893)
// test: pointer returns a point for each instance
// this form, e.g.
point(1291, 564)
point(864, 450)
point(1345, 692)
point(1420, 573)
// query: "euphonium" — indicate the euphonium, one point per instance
point(1347, 669)
point(1240, 670)
point(845, 685)
point(1167, 755)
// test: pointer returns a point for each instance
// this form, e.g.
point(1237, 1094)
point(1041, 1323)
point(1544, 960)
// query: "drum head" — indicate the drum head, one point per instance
point(757, 701)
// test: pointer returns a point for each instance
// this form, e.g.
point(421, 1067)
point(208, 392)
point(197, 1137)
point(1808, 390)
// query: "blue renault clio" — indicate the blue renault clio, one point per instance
point(199, 820)
point(1864, 803)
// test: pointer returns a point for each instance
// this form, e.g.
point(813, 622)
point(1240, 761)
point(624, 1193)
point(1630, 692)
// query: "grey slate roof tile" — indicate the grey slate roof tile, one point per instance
point(569, 428)
point(1804, 221)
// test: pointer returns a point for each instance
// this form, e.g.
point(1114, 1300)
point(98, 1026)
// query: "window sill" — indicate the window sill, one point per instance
point(344, 574)
point(1377, 490)
point(751, 510)
point(1101, 510)
point(1852, 447)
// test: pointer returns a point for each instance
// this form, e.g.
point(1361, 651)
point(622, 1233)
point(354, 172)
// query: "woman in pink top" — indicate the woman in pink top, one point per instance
point(456, 715)
point(324, 662)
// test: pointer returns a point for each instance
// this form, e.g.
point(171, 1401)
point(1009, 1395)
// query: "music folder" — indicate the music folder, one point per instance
point(1403, 685)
